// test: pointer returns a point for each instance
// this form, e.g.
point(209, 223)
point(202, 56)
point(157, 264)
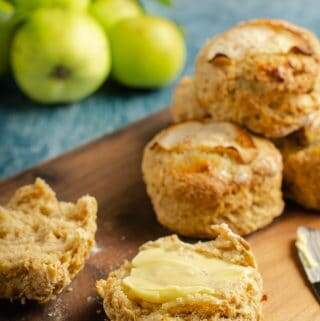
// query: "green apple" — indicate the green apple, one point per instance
point(147, 52)
point(6, 28)
point(60, 56)
point(108, 12)
point(25, 7)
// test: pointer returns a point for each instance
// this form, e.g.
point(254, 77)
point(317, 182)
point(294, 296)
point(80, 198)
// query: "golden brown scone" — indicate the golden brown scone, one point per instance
point(43, 242)
point(185, 104)
point(199, 174)
point(239, 300)
point(262, 74)
point(301, 162)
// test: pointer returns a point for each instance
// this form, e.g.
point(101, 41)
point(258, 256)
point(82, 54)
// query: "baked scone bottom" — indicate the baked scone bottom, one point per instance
point(43, 242)
point(241, 302)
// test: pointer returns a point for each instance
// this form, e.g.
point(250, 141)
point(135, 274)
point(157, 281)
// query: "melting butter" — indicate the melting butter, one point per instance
point(302, 246)
point(159, 275)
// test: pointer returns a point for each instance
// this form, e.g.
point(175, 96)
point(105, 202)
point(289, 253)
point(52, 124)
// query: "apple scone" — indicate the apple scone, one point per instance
point(203, 173)
point(43, 242)
point(185, 105)
point(172, 280)
point(301, 163)
point(261, 74)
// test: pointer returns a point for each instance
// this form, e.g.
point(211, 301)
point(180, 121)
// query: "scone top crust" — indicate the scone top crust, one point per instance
point(43, 241)
point(272, 51)
point(241, 301)
point(209, 137)
point(263, 36)
point(208, 158)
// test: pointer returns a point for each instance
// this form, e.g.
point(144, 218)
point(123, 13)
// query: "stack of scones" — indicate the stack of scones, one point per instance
point(246, 121)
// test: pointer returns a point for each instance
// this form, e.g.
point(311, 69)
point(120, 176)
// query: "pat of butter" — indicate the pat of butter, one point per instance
point(160, 275)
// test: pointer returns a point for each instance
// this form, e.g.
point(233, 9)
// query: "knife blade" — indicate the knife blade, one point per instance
point(308, 246)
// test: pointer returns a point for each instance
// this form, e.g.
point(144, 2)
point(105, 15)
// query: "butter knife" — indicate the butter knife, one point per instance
point(308, 246)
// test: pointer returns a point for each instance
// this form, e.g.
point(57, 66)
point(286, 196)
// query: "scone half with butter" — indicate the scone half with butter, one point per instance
point(172, 280)
point(203, 173)
point(43, 242)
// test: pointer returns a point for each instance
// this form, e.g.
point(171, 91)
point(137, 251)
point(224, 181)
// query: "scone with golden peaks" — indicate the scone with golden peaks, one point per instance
point(185, 104)
point(262, 74)
point(43, 242)
point(203, 173)
point(176, 281)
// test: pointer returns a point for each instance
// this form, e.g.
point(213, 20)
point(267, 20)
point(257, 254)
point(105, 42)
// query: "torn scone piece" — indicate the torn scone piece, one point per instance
point(203, 173)
point(43, 242)
point(172, 280)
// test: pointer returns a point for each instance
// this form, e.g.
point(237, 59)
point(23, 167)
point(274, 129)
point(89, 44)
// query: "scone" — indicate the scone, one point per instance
point(307, 135)
point(203, 173)
point(185, 104)
point(43, 242)
point(262, 74)
point(301, 161)
point(172, 280)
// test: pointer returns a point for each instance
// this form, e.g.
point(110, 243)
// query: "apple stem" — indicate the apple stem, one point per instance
point(60, 72)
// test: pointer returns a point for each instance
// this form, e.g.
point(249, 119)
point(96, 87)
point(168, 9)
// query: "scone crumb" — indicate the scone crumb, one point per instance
point(45, 244)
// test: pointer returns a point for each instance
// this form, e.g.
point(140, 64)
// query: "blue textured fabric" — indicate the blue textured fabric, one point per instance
point(31, 133)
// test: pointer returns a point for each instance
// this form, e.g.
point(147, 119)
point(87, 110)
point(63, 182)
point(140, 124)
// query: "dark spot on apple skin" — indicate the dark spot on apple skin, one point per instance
point(60, 72)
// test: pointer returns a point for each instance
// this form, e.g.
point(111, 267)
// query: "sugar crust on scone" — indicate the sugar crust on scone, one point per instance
point(242, 302)
point(43, 242)
point(222, 175)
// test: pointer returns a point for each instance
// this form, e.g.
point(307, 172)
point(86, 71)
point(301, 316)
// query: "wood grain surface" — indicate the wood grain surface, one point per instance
point(109, 169)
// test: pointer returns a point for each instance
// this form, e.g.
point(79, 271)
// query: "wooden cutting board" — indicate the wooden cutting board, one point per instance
point(109, 169)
